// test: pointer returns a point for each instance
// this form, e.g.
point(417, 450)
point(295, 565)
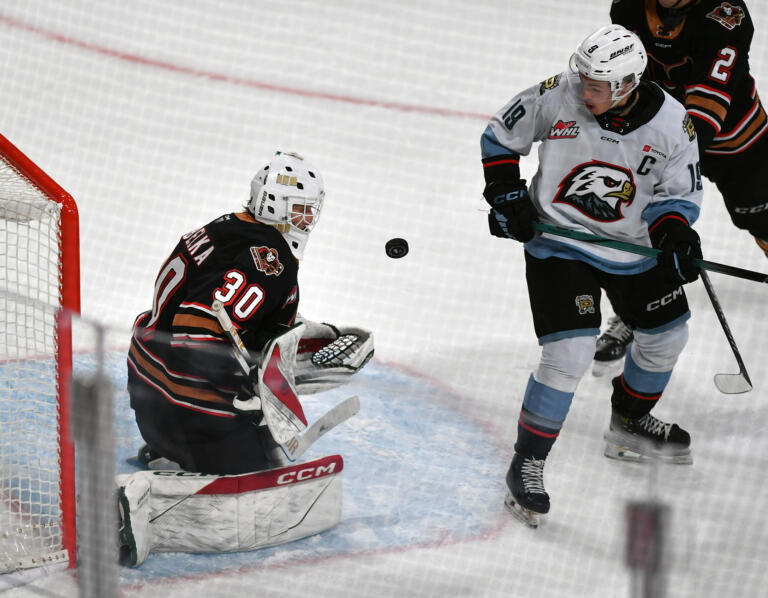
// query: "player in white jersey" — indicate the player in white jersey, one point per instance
point(617, 158)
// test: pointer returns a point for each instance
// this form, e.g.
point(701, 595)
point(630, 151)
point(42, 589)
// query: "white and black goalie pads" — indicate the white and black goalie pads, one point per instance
point(329, 355)
point(171, 511)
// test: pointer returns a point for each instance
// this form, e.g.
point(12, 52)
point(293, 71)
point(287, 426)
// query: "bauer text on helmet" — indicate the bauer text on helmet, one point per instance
point(288, 194)
point(612, 54)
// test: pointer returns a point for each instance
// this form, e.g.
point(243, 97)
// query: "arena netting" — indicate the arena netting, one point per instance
point(155, 116)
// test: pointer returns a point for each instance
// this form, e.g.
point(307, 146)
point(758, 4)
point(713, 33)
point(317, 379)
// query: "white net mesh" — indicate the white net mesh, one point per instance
point(30, 532)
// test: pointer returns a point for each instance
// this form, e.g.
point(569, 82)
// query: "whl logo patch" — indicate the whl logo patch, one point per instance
point(564, 130)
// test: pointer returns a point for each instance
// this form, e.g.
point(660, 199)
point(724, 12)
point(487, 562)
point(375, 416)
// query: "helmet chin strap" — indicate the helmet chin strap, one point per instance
point(630, 100)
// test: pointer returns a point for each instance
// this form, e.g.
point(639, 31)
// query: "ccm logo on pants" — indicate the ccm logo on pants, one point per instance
point(665, 300)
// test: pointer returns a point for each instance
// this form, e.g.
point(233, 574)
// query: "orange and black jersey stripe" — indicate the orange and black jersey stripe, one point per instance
point(702, 59)
point(178, 350)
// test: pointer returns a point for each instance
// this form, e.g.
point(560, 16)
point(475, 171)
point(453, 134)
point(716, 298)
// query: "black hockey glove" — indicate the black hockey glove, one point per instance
point(679, 245)
point(512, 210)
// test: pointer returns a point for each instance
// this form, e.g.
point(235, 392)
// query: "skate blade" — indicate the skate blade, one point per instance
point(530, 518)
point(623, 452)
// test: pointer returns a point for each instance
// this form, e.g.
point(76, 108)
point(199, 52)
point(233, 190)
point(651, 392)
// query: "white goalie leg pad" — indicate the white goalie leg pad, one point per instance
point(329, 355)
point(177, 511)
point(134, 504)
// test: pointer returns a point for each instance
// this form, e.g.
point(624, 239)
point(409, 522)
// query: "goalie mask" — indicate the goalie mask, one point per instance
point(612, 54)
point(288, 194)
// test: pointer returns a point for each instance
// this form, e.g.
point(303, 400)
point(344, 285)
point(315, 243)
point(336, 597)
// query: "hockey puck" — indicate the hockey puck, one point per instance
point(396, 248)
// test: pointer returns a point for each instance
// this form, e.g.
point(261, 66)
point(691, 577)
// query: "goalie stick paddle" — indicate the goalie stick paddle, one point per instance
point(647, 251)
point(296, 445)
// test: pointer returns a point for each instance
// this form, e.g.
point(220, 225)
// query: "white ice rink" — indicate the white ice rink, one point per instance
point(155, 116)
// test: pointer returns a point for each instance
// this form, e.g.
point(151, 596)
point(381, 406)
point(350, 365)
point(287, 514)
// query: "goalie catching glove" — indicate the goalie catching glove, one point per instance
point(325, 358)
point(328, 355)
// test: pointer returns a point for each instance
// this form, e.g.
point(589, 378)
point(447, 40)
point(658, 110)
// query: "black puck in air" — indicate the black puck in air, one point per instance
point(396, 248)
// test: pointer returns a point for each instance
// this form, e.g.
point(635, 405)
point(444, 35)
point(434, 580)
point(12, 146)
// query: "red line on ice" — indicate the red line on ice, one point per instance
point(233, 80)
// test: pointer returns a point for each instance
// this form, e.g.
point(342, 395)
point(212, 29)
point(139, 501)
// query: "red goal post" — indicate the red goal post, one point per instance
point(39, 289)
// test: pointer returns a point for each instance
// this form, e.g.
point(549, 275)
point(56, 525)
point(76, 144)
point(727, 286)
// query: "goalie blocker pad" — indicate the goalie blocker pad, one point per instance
point(171, 511)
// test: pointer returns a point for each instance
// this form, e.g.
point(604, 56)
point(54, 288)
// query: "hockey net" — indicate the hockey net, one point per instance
point(38, 289)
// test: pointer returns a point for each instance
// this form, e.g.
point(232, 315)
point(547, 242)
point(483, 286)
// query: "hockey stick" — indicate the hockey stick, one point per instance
point(294, 446)
point(647, 251)
point(727, 383)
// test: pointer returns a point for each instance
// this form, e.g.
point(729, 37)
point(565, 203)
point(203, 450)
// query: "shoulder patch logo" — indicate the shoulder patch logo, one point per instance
point(689, 128)
point(728, 15)
point(598, 190)
point(564, 130)
point(266, 260)
point(549, 84)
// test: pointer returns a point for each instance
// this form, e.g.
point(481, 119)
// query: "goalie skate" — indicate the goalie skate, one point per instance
point(647, 438)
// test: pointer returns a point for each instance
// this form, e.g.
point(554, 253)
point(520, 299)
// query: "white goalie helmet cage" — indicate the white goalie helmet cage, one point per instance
point(613, 54)
point(288, 194)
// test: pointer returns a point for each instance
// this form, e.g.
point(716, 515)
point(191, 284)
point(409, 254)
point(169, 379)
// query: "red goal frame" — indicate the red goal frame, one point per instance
point(69, 285)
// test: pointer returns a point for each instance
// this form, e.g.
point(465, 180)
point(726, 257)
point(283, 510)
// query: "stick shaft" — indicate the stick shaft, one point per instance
point(724, 325)
point(241, 353)
point(647, 251)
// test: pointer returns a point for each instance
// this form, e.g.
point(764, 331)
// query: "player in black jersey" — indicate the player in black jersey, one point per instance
point(182, 377)
point(698, 51)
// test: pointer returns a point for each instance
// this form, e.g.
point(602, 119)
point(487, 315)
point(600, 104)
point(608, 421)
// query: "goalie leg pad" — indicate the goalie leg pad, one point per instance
point(178, 511)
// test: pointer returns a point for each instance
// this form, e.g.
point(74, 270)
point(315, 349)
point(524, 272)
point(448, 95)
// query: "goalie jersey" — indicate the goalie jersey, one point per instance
point(605, 175)
point(178, 348)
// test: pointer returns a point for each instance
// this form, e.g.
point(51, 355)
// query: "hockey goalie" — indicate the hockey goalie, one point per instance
point(215, 370)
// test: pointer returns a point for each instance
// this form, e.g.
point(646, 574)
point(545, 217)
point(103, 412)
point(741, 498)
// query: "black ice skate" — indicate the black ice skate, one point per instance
point(612, 345)
point(647, 438)
point(526, 497)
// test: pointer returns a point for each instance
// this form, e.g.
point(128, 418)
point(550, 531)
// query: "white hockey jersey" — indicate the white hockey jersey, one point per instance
point(596, 177)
